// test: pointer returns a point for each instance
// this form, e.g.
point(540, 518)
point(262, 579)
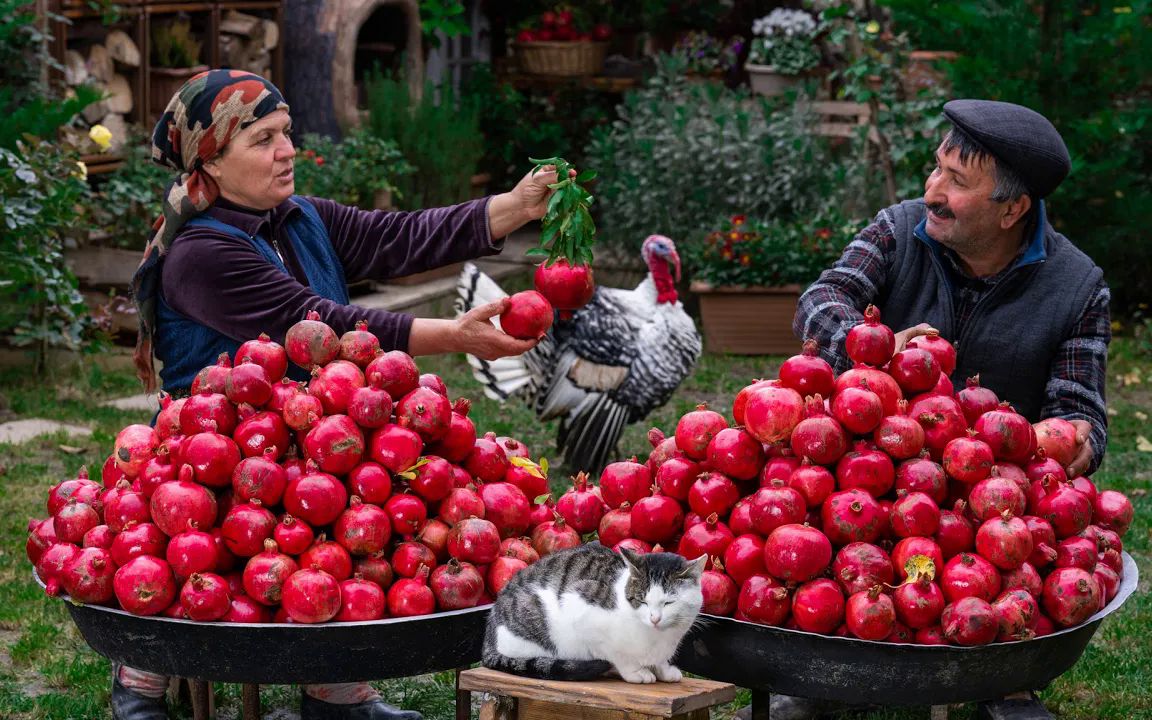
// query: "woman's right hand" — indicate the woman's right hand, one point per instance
point(480, 337)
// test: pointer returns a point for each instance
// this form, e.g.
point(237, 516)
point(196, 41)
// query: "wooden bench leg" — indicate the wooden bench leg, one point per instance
point(200, 690)
point(251, 701)
point(463, 700)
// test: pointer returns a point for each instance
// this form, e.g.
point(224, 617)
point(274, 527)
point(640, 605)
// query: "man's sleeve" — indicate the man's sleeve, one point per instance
point(835, 303)
point(1075, 389)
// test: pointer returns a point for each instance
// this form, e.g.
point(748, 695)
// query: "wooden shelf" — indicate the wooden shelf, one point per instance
point(137, 18)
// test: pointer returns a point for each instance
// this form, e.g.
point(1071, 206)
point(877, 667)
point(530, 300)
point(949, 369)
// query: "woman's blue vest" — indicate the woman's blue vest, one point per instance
point(185, 346)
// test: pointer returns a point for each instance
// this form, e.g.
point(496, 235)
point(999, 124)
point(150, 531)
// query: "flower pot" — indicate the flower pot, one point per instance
point(163, 83)
point(766, 81)
point(745, 320)
point(561, 59)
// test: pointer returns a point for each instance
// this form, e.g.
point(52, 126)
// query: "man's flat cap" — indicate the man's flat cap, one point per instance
point(1022, 139)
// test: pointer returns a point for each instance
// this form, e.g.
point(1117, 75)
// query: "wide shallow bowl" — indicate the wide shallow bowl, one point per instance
point(284, 653)
point(863, 671)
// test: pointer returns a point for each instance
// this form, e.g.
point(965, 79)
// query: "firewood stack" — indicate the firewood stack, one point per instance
point(246, 42)
point(100, 70)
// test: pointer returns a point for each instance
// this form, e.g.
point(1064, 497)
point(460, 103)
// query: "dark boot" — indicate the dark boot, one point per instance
point(313, 709)
point(1024, 706)
point(127, 705)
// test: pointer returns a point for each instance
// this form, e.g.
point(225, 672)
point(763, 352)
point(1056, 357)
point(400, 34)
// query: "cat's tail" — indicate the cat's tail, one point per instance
point(546, 668)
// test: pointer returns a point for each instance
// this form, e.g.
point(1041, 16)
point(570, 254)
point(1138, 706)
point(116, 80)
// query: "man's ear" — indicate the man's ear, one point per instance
point(1015, 211)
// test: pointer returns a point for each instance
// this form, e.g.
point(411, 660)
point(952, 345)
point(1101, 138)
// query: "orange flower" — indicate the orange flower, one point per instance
point(737, 219)
point(734, 235)
point(726, 253)
point(745, 260)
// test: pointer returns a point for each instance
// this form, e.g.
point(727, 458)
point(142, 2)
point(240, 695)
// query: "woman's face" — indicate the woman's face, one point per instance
point(255, 169)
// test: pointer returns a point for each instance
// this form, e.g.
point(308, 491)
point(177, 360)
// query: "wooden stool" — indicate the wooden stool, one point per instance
point(520, 698)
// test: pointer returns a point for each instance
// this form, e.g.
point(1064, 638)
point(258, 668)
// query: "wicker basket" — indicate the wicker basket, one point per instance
point(561, 59)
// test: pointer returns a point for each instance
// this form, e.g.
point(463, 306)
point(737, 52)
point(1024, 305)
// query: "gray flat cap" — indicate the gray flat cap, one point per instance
point(1022, 139)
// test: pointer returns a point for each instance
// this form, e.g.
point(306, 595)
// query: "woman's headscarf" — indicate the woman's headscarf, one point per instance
point(203, 117)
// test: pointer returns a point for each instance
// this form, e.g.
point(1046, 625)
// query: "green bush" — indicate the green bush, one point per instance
point(682, 155)
point(123, 207)
point(748, 251)
point(40, 305)
point(349, 171)
point(441, 140)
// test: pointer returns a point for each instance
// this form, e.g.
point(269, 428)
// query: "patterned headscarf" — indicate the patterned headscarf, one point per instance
point(202, 118)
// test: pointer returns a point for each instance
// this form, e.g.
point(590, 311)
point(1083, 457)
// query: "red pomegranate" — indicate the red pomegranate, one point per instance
point(267, 354)
point(566, 286)
point(818, 606)
point(311, 596)
point(735, 453)
point(818, 436)
point(797, 553)
point(656, 518)
point(88, 578)
point(363, 529)
point(1113, 511)
point(940, 348)
point(709, 538)
point(174, 504)
point(899, 435)
point(506, 507)
point(266, 572)
point(808, 373)
point(407, 513)
point(865, 468)
point(773, 412)
point(851, 516)
point(144, 585)
point(625, 481)
point(205, 597)
point(913, 514)
point(409, 597)
point(260, 478)
point(763, 600)
point(311, 342)
point(870, 614)
point(970, 621)
point(970, 575)
point(871, 342)
point(580, 507)
point(1058, 438)
point(914, 369)
point(474, 541)
point(317, 498)
point(527, 317)
point(457, 585)
point(776, 505)
point(976, 400)
point(395, 372)
point(922, 474)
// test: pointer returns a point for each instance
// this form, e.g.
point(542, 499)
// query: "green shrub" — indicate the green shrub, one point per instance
point(349, 171)
point(441, 140)
point(682, 155)
point(123, 207)
point(40, 305)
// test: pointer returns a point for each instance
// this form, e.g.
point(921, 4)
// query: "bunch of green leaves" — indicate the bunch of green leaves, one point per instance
point(446, 17)
point(350, 171)
point(437, 135)
point(40, 304)
point(751, 252)
point(680, 153)
point(568, 231)
point(28, 106)
point(124, 205)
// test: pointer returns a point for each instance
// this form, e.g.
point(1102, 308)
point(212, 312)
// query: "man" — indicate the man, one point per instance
point(977, 260)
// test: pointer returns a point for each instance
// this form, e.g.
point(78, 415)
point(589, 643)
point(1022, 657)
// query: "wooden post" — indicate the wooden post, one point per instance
point(200, 691)
point(463, 699)
point(251, 701)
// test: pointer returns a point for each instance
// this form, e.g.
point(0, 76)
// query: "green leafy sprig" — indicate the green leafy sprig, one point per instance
point(568, 229)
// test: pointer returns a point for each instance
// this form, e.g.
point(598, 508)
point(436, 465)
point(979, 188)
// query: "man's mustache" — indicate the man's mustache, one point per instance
point(941, 211)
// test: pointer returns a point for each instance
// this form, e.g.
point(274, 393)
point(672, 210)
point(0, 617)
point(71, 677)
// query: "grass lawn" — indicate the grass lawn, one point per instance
point(47, 671)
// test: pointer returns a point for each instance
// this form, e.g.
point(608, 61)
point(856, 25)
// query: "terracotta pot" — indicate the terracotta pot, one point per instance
point(747, 320)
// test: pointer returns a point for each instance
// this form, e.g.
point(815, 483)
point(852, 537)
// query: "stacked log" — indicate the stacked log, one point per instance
point(102, 69)
point(247, 41)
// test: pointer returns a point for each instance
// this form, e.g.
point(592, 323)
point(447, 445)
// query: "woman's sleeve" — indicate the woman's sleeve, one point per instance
point(227, 286)
point(378, 244)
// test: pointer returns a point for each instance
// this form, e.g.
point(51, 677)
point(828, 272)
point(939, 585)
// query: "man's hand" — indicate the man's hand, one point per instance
point(477, 335)
point(1084, 450)
point(904, 336)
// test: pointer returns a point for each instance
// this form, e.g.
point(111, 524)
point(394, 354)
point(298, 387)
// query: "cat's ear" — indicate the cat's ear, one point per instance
point(631, 559)
point(695, 568)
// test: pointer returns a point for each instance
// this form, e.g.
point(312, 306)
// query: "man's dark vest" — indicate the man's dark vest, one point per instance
point(1013, 334)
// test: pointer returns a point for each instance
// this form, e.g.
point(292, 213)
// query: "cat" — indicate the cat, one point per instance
point(584, 612)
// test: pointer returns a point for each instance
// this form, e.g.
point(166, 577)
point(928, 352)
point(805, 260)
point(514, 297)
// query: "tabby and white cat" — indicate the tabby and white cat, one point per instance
point(583, 612)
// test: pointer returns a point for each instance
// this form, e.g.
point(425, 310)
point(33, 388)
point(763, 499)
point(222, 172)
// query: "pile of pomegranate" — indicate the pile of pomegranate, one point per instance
point(362, 494)
point(878, 504)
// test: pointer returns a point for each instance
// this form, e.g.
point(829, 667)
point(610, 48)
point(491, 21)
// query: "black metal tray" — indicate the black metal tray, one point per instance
point(862, 671)
point(284, 653)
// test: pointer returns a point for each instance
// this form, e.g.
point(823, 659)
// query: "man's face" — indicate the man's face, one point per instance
point(961, 215)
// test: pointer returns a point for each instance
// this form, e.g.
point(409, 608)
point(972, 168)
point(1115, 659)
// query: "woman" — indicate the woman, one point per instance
point(237, 254)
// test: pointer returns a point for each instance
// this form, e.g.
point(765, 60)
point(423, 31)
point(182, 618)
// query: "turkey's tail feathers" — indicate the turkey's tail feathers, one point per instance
point(588, 437)
point(507, 376)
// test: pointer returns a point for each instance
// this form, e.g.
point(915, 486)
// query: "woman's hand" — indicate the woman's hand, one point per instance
point(472, 332)
point(480, 337)
point(526, 202)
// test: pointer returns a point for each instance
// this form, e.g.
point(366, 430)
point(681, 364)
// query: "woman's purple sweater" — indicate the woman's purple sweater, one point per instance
point(222, 282)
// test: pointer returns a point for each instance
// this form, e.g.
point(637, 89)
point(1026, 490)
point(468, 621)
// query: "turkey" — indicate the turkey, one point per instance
point(617, 359)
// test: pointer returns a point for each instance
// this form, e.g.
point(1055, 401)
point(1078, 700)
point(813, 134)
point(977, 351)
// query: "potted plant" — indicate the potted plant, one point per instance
point(708, 58)
point(749, 275)
point(360, 170)
point(783, 51)
point(175, 58)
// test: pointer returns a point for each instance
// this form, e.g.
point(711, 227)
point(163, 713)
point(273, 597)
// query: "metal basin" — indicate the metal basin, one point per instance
point(284, 653)
point(862, 671)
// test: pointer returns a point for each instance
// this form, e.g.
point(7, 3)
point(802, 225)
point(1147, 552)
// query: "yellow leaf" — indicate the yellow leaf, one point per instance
point(530, 467)
point(1142, 444)
point(544, 465)
point(919, 566)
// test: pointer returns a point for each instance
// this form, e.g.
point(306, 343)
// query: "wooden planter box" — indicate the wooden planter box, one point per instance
point(748, 320)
